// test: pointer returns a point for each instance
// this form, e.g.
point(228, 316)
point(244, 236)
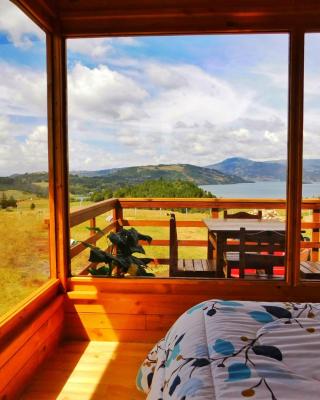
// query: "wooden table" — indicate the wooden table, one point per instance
point(219, 230)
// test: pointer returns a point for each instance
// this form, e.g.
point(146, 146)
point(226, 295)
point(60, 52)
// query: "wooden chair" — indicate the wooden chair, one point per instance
point(256, 250)
point(186, 267)
point(242, 215)
point(232, 257)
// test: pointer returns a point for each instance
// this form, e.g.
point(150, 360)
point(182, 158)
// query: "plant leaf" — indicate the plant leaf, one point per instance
point(142, 262)
point(278, 312)
point(174, 385)
point(261, 316)
point(99, 271)
point(223, 347)
point(200, 362)
point(149, 379)
point(238, 371)
point(137, 249)
point(268, 351)
point(147, 238)
point(95, 229)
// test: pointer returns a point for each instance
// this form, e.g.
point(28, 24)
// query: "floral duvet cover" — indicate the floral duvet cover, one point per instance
point(235, 350)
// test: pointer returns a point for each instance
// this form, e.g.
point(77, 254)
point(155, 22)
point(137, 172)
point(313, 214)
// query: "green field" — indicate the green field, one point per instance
point(24, 249)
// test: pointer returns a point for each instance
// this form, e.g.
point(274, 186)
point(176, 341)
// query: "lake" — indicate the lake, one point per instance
point(258, 190)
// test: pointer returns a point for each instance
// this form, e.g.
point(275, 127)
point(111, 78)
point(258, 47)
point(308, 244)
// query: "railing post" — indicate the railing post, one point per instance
point(215, 212)
point(173, 249)
point(118, 216)
point(315, 234)
point(211, 250)
point(93, 225)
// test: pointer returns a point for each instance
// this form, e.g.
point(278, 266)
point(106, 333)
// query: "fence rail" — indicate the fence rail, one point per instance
point(90, 213)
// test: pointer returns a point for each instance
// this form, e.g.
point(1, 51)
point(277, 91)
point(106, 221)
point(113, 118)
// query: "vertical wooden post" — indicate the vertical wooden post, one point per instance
point(315, 234)
point(173, 243)
point(118, 216)
point(58, 157)
point(295, 154)
point(211, 252)
point(214, 212)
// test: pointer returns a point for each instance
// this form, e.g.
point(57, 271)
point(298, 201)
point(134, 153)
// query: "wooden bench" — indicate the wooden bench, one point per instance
point(187, 267)
point(194, 268)
point(310, 270)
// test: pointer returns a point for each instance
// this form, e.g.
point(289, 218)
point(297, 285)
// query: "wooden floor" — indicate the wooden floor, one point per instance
point(89, 371)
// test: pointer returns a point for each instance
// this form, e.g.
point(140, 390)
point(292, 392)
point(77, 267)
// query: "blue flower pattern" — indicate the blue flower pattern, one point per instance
point(183, 371)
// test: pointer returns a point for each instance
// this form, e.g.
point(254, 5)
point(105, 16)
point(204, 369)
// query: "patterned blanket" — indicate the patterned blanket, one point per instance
point(235, 350)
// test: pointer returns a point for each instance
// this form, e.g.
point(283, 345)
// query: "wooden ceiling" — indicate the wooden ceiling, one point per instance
point(79, 18)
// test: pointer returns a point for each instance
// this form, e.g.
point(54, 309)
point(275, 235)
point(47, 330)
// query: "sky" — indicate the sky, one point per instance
point(152, 100)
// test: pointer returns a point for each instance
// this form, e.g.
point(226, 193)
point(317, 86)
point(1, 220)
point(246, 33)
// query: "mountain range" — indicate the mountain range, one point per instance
point(259, 171)
point(187, 172)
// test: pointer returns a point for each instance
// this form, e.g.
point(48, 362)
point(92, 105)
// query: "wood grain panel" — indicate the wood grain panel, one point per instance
point(106, 321)
point(27, 309)
point(22, 353)
point(23, 374)
point(139, 304)
point(213, 288)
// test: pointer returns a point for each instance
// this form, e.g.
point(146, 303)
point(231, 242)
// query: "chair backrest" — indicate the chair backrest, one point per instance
point(252, 244)
point(242, 215)
point(262, 241)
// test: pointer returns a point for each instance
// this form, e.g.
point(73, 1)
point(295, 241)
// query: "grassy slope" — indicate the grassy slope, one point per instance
point(24, 262)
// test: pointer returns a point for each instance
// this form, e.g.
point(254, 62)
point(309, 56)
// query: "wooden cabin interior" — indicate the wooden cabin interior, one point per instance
point(83, 337)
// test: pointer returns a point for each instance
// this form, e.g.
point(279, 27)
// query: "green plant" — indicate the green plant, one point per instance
point(120, 260)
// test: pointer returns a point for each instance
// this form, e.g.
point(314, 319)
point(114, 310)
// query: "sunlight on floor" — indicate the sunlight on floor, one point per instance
point(89, 371)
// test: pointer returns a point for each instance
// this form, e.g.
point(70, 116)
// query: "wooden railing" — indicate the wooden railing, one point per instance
point(90, 213)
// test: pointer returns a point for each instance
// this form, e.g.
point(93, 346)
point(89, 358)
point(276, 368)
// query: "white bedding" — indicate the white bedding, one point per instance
point(235, 350)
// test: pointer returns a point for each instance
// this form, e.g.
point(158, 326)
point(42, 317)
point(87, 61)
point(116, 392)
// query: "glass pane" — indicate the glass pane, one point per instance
point(309, 260)
point(176, 117)
point(24, 264)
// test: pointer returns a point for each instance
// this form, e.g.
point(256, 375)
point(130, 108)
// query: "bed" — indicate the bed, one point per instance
point(235, 350)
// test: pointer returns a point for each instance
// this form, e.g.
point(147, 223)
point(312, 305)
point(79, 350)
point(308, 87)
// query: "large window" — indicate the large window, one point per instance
point(24, 263)
point(179, 116)
point(310, 267)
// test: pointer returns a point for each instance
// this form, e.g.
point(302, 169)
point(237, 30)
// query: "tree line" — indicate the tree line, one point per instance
point(7, 202)
point(154, 188)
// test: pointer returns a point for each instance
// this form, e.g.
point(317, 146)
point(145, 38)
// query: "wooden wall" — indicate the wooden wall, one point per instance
point(27, 346)
point(142, 310)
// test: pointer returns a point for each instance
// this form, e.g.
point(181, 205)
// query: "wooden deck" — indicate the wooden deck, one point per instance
point(310, 270)
point(89, 371)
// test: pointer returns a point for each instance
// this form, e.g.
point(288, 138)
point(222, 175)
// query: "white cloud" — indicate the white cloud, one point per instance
point(27, 154)
point(271, 137)
point(95, 48)
point(17, 25)
point(23, 91)
point(100, 93)
point(146, 112)
point(99, 49)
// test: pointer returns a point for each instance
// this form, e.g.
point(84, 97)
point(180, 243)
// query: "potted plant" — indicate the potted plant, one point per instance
point(120, 260)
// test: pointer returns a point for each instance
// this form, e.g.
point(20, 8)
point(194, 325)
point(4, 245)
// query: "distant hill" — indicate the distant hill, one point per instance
point(186, 172)
point(258, 171)
point(90, 174)
point(84, 182)
point(36, 183)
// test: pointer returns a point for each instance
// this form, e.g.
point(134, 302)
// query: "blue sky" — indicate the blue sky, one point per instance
point(150, 100)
